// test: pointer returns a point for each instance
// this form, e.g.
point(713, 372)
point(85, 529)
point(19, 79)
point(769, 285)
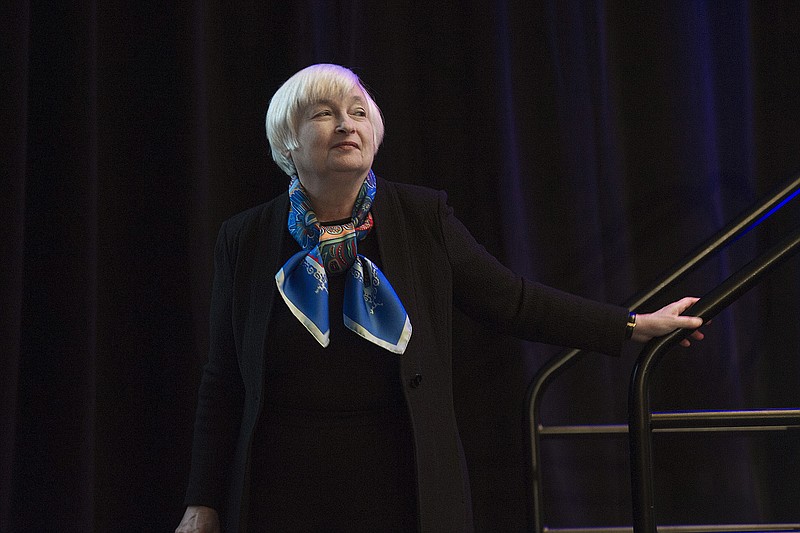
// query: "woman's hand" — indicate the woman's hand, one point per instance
point(199, 519)
point(666, 320)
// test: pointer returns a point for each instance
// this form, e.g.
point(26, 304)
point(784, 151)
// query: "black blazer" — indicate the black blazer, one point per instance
point(433, 263)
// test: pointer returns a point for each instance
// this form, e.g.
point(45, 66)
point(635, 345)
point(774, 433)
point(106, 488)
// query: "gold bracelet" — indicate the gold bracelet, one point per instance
point(630, 325)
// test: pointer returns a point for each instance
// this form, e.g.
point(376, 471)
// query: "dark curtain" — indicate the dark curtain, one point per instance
point(588, 144)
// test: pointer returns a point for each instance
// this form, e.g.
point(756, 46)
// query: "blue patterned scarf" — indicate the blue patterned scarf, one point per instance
point(371, 307)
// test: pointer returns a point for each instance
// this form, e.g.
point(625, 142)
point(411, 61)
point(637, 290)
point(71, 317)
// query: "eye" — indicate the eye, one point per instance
point(359, 112)
point(322, 113)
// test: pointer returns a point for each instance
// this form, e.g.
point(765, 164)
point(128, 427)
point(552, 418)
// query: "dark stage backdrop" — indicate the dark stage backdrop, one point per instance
point(589, 144)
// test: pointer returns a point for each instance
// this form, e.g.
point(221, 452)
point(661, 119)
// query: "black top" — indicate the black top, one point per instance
point(433, 263)
point(332, 450)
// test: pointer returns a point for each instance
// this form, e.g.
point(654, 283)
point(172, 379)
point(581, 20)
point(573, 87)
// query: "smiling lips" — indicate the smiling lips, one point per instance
point(346, 144)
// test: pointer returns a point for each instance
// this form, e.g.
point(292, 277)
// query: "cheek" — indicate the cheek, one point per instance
point(308, 150)
point(308, 136)
point(368, 139)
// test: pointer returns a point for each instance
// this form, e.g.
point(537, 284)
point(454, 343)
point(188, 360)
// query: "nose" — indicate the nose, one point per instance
point(345, 125)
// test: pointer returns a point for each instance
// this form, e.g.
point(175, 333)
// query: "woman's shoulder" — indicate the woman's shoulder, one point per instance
point(418, 191)
point(413, 196)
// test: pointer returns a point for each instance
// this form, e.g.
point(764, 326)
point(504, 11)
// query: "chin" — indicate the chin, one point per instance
point(356, 169)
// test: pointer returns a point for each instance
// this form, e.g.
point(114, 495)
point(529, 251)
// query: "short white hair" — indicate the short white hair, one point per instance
point(312, 84)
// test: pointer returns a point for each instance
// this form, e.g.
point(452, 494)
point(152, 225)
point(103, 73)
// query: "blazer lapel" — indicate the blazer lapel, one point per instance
point(266, 262)
point(395, 247)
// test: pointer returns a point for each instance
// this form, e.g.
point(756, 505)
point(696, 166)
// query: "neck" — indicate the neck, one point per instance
point(332, 199)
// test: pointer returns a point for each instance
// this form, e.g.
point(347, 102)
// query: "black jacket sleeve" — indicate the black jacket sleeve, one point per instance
point(220, 397)
point(491, 293)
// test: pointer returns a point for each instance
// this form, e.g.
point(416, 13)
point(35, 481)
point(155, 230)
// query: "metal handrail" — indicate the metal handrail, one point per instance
point(561, 362)
point(697, 528)
point(640, 415)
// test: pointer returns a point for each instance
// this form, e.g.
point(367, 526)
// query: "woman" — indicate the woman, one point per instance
point(311, 420)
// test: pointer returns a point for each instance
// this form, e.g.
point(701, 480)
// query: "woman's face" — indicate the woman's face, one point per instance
point(335, 138)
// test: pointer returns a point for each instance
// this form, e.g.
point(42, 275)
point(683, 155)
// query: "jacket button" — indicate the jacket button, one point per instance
point(415, 381)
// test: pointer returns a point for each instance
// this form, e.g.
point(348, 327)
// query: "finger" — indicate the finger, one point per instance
point(697, 335)
point(690, 322)
point(695, 322)
point(683, 304)
point(687, 302)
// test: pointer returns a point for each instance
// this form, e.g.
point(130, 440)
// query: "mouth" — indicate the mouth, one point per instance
point(346, 145)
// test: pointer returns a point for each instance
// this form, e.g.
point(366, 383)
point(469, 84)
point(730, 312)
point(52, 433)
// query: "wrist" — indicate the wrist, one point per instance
point(630, 326)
